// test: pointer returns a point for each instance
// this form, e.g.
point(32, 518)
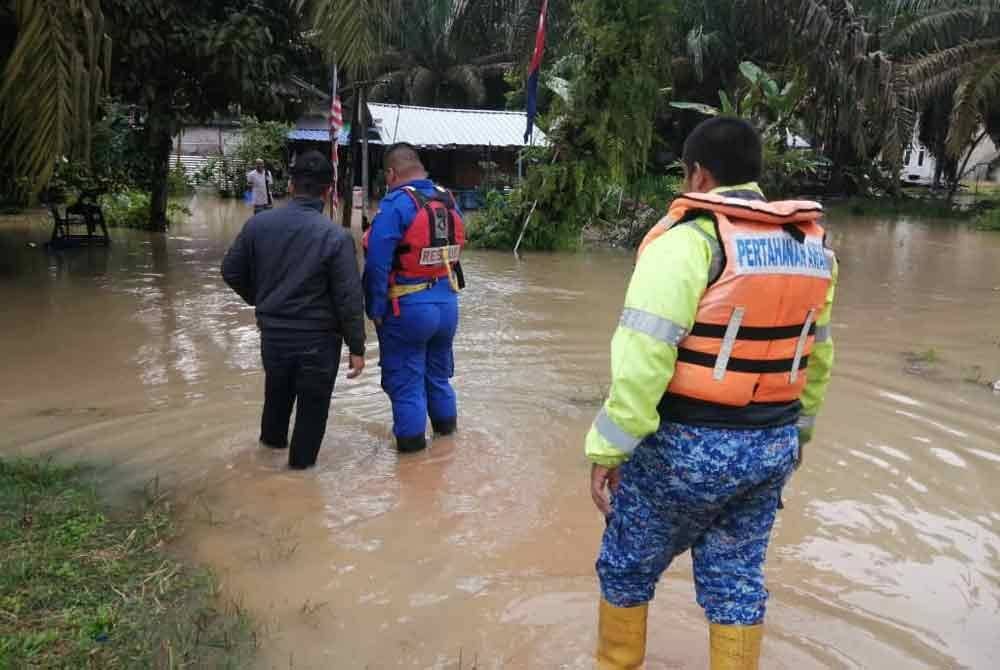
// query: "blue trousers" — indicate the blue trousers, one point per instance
point(713, 491)
point(417, 364)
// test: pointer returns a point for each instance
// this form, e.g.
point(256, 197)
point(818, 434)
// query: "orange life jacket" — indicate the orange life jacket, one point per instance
point(755, 324)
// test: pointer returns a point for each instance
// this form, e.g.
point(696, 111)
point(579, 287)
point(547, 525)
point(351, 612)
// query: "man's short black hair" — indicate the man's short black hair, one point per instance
point(312, 174)
point(402, 154)
point(727, 147)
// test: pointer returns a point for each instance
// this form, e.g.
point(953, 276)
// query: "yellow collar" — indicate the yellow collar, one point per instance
point(749, 186)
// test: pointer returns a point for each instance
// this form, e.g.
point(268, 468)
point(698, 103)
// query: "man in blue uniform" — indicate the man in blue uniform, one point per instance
point(414, 306)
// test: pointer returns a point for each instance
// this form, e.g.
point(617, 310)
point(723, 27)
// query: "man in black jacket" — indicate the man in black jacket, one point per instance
point(300, 272)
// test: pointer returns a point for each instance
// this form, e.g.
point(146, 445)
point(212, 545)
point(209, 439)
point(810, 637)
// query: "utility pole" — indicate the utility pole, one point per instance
point(359, 125)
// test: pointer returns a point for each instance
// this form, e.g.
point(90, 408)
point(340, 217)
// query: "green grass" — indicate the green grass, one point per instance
point(983, 188)
point(936, 208)
point(84, 586)
point(989, 220)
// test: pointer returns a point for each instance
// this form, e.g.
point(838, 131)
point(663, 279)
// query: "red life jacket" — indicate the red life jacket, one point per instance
point(430, 248)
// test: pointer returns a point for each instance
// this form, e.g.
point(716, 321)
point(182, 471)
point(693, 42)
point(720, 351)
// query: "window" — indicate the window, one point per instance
point(908, 157)
point(920, 158)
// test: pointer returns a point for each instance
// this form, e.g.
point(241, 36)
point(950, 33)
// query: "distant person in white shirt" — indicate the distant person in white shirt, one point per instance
point(260, 180)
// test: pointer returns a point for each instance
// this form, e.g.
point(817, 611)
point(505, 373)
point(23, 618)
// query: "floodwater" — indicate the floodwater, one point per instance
point(479, 552)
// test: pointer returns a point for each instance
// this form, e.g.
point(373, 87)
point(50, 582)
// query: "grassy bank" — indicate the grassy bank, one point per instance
point(918, 207)
point(85, 586)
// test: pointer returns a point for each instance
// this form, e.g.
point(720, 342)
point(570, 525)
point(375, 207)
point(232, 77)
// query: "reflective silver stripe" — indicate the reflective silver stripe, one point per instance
point(715, 269)
point(822, 334)
point(800, 347)
point(805, 422)
point(610, 431)
point(728, 340)
point(655, 326)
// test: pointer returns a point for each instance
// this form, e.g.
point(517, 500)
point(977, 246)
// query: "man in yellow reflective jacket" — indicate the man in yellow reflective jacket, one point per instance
point(719, 367)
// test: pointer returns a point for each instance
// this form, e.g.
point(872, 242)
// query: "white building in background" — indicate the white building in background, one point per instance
point(919, 164)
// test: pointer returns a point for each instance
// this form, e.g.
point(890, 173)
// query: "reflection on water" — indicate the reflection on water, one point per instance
point(887, 554)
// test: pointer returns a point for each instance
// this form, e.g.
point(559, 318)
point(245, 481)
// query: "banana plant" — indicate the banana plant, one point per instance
point(764, 101)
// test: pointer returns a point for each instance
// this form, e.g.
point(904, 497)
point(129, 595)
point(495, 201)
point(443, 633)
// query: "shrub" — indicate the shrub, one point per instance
point(495, 225)
point(130, 209)
point(178, 182)
point(989, 220)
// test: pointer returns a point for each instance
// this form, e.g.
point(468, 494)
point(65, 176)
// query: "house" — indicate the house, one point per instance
point(466, 150)
point(194, 147)
point(919, 164)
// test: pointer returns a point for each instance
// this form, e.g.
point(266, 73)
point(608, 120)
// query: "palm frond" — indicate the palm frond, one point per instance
point(351, 32)
point(470, 80)
point(522, 30)
point(423, 86)
point(979, 87)
point(51, 85)
point(946, 27)
point(931, 72)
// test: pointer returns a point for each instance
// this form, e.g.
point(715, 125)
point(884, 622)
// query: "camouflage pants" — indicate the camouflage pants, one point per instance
point(711, 490)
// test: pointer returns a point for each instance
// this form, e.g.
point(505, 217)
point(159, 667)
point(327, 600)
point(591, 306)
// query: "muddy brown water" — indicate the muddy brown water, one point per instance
point(481, 549)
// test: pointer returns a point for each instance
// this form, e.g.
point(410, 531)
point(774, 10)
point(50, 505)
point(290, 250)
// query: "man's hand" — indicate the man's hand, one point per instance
point(603, 482)
point(805, 436)
point(357, 365)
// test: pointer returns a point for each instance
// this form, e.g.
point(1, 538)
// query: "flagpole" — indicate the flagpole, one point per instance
point(530, 110)
point(334, 156)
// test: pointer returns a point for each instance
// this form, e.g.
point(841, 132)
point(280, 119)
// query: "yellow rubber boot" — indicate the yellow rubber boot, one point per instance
point(735, 647)
point(622, 637)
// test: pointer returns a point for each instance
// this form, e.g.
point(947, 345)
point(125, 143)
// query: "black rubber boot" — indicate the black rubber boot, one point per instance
point(408, 445)
point(444, 427)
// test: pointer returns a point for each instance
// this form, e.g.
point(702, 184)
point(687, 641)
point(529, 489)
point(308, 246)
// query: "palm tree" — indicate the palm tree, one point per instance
point(952, 52)
point(446, 52)
point(351, 33)
point(51, 83)
point(855, 95)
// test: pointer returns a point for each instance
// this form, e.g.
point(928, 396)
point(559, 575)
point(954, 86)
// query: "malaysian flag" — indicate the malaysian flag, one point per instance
point(336, 123)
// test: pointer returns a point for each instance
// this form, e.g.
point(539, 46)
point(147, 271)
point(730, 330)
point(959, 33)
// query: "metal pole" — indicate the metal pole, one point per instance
point(363, 122)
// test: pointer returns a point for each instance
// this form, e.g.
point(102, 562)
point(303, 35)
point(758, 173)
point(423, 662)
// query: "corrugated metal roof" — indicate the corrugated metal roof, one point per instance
point(312, 135)
point(323, 135)
point(432, 127)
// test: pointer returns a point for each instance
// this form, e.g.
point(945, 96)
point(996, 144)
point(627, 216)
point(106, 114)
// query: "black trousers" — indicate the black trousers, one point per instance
point(299, 368)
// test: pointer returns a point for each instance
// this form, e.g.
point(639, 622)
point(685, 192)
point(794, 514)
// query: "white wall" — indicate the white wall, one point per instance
point(921, 170)
point(978, 168)
point(205, 141)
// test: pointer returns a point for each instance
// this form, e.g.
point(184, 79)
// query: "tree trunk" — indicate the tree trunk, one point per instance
point(960, 174)
point(160, 137)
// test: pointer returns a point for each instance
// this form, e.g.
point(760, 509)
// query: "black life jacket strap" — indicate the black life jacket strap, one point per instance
point(752, 333)
point(740, 364)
